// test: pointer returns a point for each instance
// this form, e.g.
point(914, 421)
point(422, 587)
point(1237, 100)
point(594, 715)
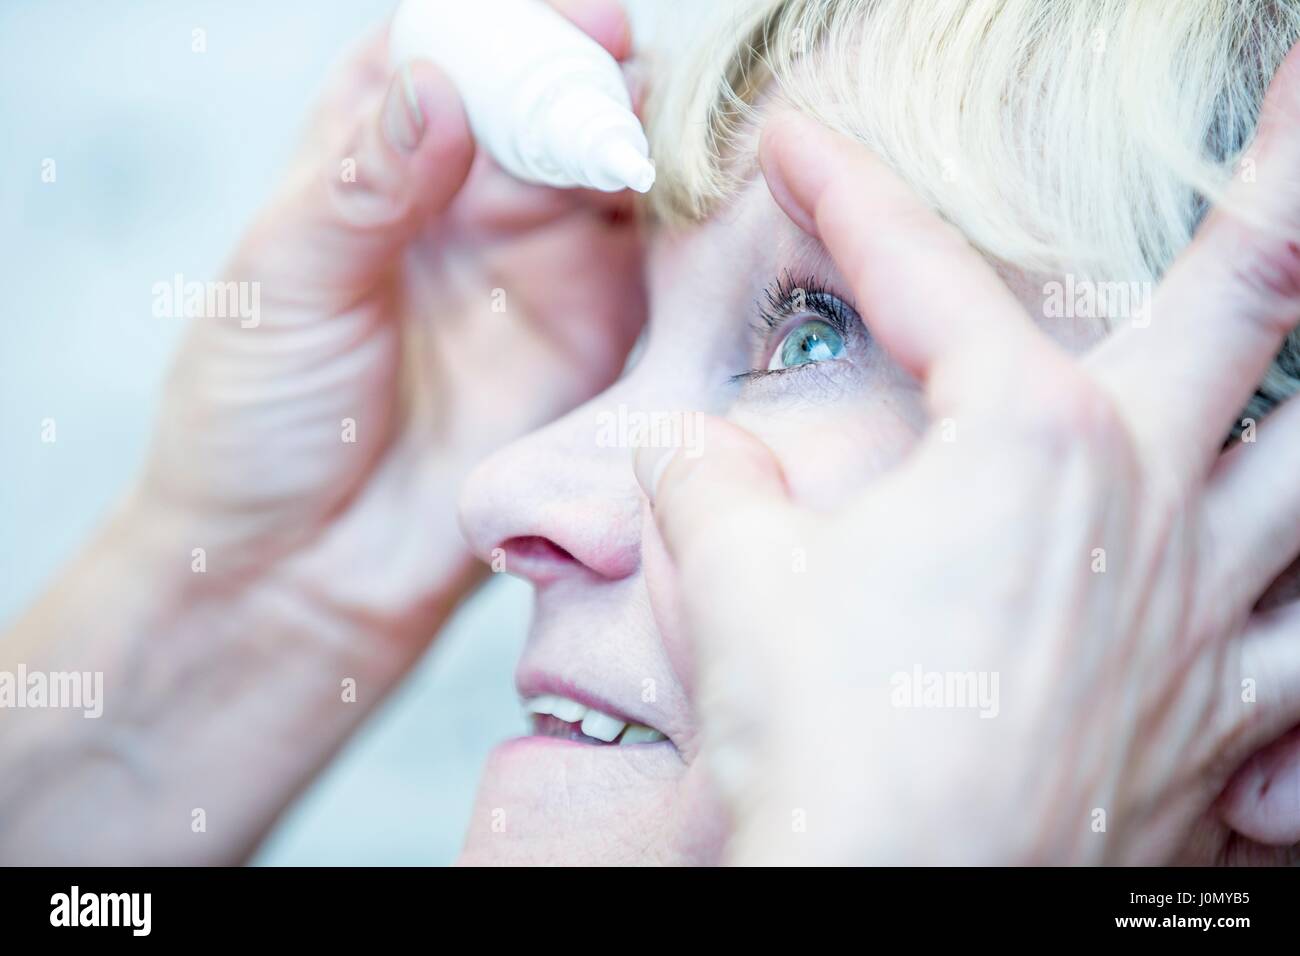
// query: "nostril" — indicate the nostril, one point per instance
point(536, 547)
point(534, 557)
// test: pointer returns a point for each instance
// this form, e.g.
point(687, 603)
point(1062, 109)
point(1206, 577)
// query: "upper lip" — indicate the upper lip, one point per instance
point(532, 684)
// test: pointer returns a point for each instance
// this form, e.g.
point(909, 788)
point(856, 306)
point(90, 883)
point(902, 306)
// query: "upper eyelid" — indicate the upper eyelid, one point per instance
point(782, 296)
point(780, 302)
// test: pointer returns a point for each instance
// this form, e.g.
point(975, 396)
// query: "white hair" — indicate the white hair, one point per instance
point(1062, 137)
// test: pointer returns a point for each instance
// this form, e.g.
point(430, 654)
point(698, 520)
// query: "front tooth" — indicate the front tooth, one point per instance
point(569, 711)
point(602, 726)
point(543, 704)
point(641, 734)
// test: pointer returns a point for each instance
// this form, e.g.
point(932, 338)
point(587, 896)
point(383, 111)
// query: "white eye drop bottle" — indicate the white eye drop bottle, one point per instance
point(546, 101)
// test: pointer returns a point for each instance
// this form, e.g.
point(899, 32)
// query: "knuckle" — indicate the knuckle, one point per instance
point(1268, 274)
point(365, 193)
point(369, 206)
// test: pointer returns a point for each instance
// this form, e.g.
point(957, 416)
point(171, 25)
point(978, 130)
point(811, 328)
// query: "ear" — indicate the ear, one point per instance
point(1262, 801)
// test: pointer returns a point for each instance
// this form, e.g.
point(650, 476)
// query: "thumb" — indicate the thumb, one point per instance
point(341, 224)
point(1262, 801)
point(712, 495)
point(723, 511)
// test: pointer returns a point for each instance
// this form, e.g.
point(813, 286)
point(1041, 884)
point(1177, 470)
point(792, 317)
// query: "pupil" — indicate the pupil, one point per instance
point(811, 342)
point(815, 347)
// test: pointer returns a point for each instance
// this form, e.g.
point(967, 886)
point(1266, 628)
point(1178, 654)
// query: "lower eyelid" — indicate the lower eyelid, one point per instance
point(759, 374)
point(812, 384)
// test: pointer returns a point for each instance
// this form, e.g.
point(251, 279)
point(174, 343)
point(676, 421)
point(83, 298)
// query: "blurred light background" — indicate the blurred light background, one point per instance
point(162, 155)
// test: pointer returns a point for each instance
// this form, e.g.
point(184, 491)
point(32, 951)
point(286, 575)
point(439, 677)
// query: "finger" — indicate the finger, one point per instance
point(1263, 800)
point(340, 228)
point(1223, 309)
point(1252, 507)
point(723, 517)
point(497, 203)
point(603, 20)
point(1270, 677)
point(710, 494)
point(888, 244)
point(365, 71)
point(354, 84)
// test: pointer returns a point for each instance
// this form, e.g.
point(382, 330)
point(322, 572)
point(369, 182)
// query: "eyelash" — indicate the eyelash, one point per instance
point(777, 305)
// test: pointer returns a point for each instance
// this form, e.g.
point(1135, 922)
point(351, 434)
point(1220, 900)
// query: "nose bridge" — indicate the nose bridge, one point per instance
point(570, 482)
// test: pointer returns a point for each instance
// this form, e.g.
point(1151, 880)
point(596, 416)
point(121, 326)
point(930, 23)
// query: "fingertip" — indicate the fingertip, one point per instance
point(782, 161)
point(715, 465)
point(1262, 801)
point(439, 104)
point(804, 160)
point(636, 76)
point(605, 21)
point(445, 149)
point(1285, 86)
point(648, 464)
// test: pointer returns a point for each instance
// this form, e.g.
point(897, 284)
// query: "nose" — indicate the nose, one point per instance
point(557, 503)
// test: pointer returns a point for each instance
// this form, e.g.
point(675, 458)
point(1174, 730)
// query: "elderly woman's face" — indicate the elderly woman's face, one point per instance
point(749, 320)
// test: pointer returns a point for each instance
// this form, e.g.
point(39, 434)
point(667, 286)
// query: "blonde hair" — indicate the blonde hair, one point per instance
point(1080, 137)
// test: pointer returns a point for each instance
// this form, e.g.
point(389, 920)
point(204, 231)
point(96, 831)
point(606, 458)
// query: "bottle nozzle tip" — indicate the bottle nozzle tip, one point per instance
point(626, 164)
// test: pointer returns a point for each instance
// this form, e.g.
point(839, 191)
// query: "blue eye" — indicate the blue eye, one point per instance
point(810, 341)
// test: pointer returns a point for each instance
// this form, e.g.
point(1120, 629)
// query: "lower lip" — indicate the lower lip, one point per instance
point(545, 740)
point(661, 753)
point(531, 761)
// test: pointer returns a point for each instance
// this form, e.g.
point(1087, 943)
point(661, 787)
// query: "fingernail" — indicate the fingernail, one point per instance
point(403, 118)
point(649, 465)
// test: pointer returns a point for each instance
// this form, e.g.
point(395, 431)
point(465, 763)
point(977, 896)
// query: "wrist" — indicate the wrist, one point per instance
point(218, 702)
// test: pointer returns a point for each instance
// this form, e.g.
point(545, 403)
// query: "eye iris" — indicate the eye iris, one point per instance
point(813, 341)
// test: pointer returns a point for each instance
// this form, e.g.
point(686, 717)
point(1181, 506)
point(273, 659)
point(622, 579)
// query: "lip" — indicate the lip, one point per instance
point(585, 765)
point(533, 743)
point(534, 683)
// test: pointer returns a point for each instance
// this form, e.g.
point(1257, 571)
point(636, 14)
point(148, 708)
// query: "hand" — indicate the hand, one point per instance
point(307, 462)
point(321, 449)
point(1065, 539)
